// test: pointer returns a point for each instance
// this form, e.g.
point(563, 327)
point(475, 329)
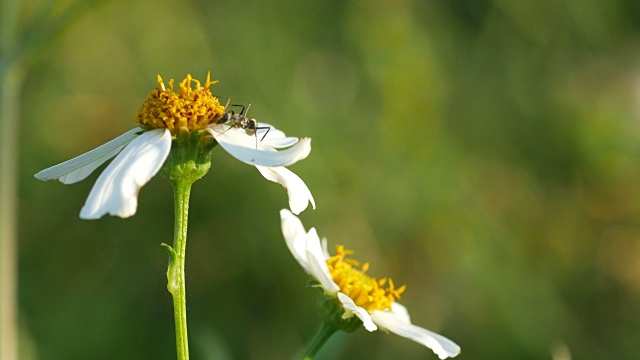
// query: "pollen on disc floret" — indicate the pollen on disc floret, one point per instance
point(367, 292)
point(189, 109)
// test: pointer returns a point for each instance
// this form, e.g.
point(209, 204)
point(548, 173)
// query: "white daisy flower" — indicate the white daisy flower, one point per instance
point(359, 295)
point(141, 152)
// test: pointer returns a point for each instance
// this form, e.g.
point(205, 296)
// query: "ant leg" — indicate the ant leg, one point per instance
point(262, 128)
point(238, 105)
point(230, 117)
point(229, 128)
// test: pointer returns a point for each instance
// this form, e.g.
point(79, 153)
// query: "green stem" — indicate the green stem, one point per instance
point(321, 337)
point(176, 271)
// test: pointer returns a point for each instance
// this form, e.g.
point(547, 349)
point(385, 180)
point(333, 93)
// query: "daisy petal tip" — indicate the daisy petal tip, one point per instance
point(397, 324)
point(367, 322)
point(78, 168)
point(47, 174)
point(313, 202)
point(306, 140)
point(125, 211)
point(285, 214)
point(370, 326)
point(362, 314)
point(297, 191)
point(300, 197)
point(85, 214)
point(291, 225)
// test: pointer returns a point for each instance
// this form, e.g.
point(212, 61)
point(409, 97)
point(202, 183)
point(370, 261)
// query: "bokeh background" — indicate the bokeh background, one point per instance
point(484, 153)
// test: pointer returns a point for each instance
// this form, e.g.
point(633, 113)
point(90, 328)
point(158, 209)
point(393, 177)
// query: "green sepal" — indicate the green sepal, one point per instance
point(190, 156)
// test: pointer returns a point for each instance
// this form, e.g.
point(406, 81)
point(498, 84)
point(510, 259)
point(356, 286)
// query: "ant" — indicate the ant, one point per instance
point(241, 121)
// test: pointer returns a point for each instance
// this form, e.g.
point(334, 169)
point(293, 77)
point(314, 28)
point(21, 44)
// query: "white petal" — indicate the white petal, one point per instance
point(116, 190)
point(236, 136)
point(80, 167)
point(361, 313)
point(314, 245)
point(397, 324)
point(296, 238)
point(273, 133)
point(400, 312)
point(325, 249)
point(321, 273)
point(274, 137)
point(253, 152)
point(299, 194)
point(281, 143)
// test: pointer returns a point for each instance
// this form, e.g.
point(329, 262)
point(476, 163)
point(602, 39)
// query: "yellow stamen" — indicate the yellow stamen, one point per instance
point(365, 291)
point(189, 109)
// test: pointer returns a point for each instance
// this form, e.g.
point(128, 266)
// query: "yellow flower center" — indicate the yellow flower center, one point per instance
point(365, 291)
point(189, 109)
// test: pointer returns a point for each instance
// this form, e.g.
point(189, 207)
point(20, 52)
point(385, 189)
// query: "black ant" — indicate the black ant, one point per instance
point(241, 121)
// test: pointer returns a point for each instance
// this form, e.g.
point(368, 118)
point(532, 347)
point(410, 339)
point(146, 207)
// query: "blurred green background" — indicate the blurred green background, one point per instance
point(484, 153)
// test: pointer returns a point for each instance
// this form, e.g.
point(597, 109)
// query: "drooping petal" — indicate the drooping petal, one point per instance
point(78, 168)
point(296, 238)
point(361, 313)
point(299, 194)
point(320, 274)
point(263, 157)
point(116, 190)
point(398, 324)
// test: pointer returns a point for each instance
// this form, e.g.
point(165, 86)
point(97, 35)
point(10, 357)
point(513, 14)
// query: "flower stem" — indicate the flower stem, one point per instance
point(176, 271)
point(321, 337)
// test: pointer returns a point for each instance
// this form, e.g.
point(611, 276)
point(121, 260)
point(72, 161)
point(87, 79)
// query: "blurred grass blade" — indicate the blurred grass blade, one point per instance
point(13, 53)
